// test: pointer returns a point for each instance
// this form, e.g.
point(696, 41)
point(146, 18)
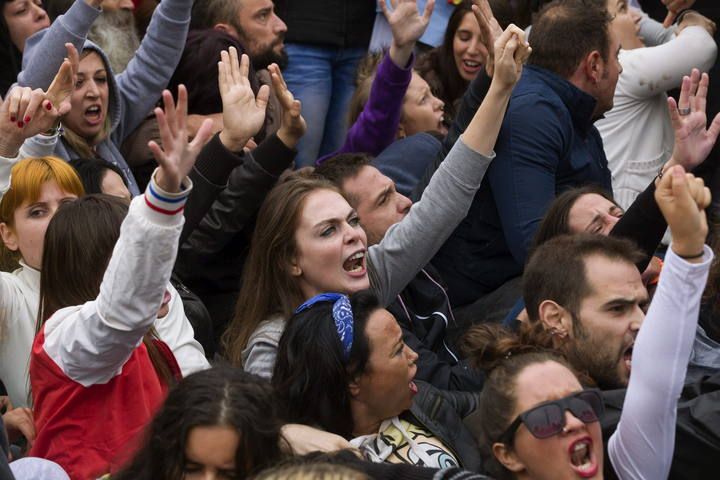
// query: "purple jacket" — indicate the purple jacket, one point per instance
point(377, 125)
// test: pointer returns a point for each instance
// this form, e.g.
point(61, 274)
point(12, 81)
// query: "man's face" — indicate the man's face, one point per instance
point(376, 201)
point(261, 32)
point(604, 329)
point(610, 71)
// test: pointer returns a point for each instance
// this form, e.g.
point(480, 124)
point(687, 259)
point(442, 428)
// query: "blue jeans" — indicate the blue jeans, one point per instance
point(323, 79)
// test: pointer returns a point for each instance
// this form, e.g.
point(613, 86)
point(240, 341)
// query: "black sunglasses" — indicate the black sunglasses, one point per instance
point(548, 418)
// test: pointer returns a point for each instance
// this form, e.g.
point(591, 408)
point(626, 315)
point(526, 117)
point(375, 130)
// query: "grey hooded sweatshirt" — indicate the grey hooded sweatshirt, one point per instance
point(133, 93)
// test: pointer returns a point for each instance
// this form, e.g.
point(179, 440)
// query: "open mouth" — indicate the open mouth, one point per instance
point(355, 263)
point(471, 67)
point(582, 458)
point(627, 356)
point(441, 127)
point(93, 114)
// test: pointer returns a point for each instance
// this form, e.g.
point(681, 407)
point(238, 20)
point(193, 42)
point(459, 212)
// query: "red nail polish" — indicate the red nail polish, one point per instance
point(27, 119)
point(12, 118)
point(20, 124)
point(49, 106)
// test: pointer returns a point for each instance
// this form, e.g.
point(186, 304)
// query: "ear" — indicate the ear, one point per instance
point(594, 67)
point(507, 457)
point(8, 237)
point(401, 131)
point(226, 28)
point(555, 318)
point(295, 270)
point(354, 388)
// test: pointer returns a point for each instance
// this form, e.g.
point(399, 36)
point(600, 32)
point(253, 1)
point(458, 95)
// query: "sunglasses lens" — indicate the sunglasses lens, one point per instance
point(586, 406)
point(545, 421)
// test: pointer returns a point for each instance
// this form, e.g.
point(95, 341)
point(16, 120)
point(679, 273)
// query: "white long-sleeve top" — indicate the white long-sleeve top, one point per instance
point(19, 302)
point(637, 133)
point(642, 446)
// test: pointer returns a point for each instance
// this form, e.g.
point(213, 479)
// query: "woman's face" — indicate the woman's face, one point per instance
point(210, 453)
point(89, 99)
point(24, 18)
point(386, 388)
point(551, 458)
point(593, 213)
point(625, 24)
point(468, 49)
point(30, 223)
point(422, 111)
point(331, 246)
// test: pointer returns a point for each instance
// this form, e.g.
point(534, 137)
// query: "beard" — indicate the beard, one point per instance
point(592, 355)
point(117, 36)
point(268, 56)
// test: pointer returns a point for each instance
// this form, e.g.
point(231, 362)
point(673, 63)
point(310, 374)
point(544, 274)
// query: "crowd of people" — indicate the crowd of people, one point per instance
point(411, 239)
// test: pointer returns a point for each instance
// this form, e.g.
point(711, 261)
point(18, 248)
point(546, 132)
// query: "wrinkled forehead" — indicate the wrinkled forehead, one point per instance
point(610, 278)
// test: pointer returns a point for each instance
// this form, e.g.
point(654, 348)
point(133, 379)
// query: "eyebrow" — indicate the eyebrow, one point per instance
point(334, 221)
point(623, 302)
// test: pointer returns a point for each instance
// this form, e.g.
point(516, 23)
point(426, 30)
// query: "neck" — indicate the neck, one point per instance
point(364, 422)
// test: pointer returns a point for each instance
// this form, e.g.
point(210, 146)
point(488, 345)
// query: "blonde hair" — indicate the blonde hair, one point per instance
point(80, 145)
point(26, 181)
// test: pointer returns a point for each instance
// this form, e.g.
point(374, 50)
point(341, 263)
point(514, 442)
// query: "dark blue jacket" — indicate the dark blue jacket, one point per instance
point(547, 144)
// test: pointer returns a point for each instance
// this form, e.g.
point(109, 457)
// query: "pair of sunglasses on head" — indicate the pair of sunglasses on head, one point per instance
point(548, 418)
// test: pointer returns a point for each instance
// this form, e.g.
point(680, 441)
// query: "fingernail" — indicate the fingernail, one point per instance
point(12, 118)
point(20, 124)
point(49, 106)
point(27, 119)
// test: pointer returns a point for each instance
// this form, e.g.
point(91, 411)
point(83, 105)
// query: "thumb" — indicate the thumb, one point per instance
point(263, 96)
point(680, 188)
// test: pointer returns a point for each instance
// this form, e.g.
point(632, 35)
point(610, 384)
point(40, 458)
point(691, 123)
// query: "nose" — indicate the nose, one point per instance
point(352, 233)
point(572, 423)
point(412, 356)
point(126, 5)
point(92, 90)
point(40, 13)
point(280, 26)
point(403, 204)
point(439, 104)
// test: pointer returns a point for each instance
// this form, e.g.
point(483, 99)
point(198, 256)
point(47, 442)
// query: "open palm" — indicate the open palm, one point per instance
point(243, 112)
point(693, 139)
point(406, 23)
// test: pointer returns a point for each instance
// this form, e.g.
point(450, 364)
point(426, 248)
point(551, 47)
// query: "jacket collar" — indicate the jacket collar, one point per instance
point(580, 104)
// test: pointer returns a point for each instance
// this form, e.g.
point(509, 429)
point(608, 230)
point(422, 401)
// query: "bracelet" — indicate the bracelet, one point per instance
point(691, 257)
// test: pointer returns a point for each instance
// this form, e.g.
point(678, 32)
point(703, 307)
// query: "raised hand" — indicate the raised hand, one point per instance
point(26, 112)
point(693, 139)
point(674, 7)
point(511, 52)
point(293, 125)
point(177, 156)
point(243, 113)
point(682, 199)
point(407, 26)
point(490, 31)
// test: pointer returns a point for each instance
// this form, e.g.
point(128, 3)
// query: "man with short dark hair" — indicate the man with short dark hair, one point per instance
point(547, 144)
point(422, 309)
point(252, 22)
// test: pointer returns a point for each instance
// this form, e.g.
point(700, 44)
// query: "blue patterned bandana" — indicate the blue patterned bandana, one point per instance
point(342, 315)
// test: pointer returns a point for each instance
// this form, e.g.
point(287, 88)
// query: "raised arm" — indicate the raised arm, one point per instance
point(643, 444)
point(377, 125)
point(410, 244)
point(92, 343)
point(652, 70)
point(44, 51)
point(149, 71)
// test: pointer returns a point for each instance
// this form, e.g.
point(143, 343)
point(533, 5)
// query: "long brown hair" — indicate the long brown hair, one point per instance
point(78, 245)
point(268, 288)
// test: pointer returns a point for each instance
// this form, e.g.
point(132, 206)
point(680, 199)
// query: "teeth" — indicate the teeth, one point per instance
point(93, 109)
point(471, 64)
point(357, 256)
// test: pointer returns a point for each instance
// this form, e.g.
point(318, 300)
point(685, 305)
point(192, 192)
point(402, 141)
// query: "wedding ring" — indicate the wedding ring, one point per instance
point(684, 111)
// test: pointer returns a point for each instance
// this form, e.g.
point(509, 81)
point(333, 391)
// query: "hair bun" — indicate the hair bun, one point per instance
point(487, 346)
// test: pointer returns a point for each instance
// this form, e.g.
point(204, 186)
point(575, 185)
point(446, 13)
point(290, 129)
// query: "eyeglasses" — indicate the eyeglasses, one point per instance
point(548, 418)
